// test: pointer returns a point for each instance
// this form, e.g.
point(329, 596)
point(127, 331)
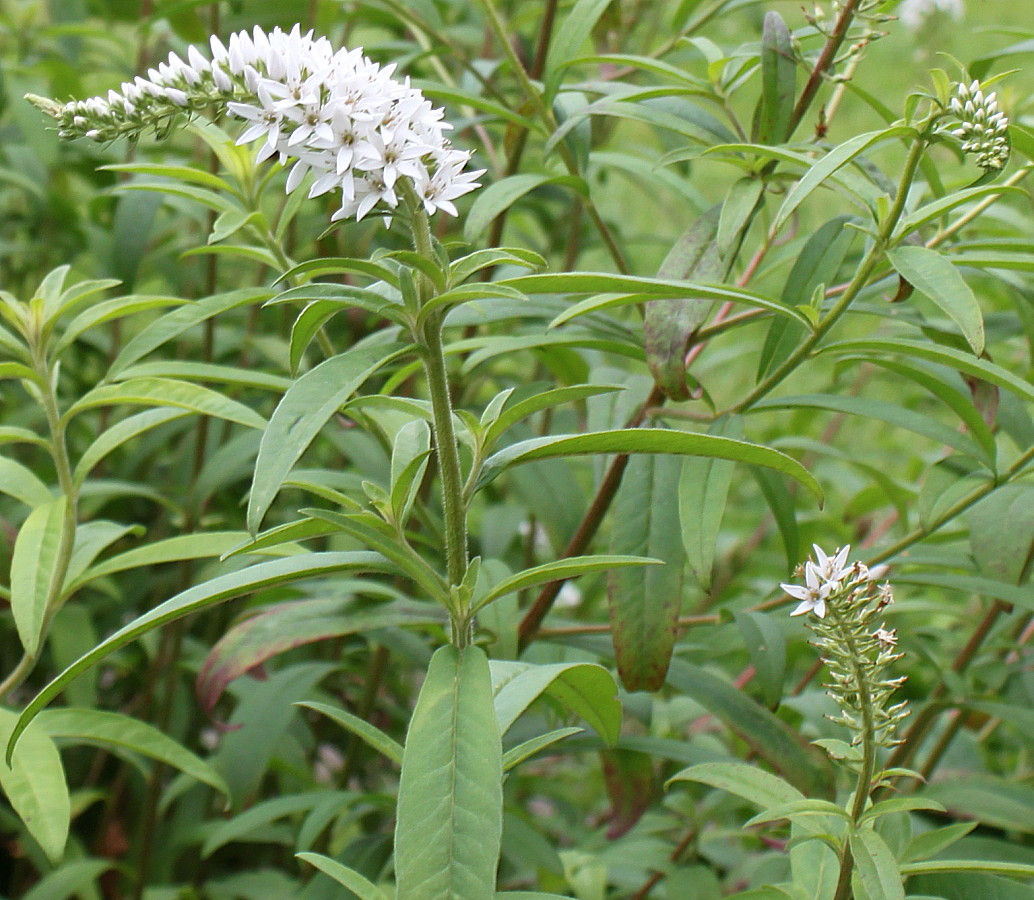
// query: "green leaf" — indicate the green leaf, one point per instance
point(836, 159)
point(33, 780)
point(875, 866)
point(817, 264)
point(159, 392)
point(547, 399)
point(109, 311)
point(670, 324)
point(241, 826)
point(954, 359)
point(586, 689)
point(993, 801)
point(796, 811)
point(449, 827)
point(767, 648)
point(381, 742)
point(466, 266)
point(561, 570)
point(572, 33)
point(348, 878)
point(933, 274)
point(1001, 533)
point(931, 843)
point(118, 434)
point(703, 491)
point(174, 549)
point(111, 729)
point(783, 748)
point(499, 196)
point(749, 782)
point(526, 749)
point(778, 81)
point(301, 414)
point(645, 603)
point(223, 587)
point(868, 408)
point(72, 879)
point(33, 569)
point(23, 484)
point(173, 324)
point(630, 289)
point(646, 440)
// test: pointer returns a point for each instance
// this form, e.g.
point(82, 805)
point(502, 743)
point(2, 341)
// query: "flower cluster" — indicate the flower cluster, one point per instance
point(847, 603)
point(983, 128)
point(334, 113)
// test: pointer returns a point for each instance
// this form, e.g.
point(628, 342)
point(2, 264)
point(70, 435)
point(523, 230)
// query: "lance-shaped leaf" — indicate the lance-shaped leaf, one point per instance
point(670, 324)
point(449, 827)
point(703, 490)
point(119, 732)
point(1001, 533)
point(371, 734)
point(301, 414)
point(223, 587)
point(359, 885)
point(33, 569)
point(33, 780)
point(560, 570)
point(935, 276)
point(585, 689)
point(778, 81)
point(168, 392)
point(23, 484)
point(645, 602)
point(875, 865)
point(283, 626)
point(836, 159)
point(647, 440)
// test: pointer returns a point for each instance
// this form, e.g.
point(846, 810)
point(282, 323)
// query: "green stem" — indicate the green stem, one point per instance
point(446, 448)
point(66, 543)
point(863, 786)
point(868, 265)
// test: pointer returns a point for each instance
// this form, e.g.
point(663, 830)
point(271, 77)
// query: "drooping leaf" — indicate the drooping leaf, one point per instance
point(628, 777)
point(449, 826)
point(669, 324)
point(778, 81)
point(645, 602)
point(1001, 533)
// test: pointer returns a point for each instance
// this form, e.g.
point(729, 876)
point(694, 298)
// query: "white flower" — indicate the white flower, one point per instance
point(821, 579)
point(334, 114)
point(983, 128)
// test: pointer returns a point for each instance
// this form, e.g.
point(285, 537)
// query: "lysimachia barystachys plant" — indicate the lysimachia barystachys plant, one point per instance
point(414, 291)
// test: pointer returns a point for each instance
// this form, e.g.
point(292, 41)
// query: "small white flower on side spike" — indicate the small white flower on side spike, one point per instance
point(983, 128)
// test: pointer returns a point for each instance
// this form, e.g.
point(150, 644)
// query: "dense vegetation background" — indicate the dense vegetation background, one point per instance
point(154, 364)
